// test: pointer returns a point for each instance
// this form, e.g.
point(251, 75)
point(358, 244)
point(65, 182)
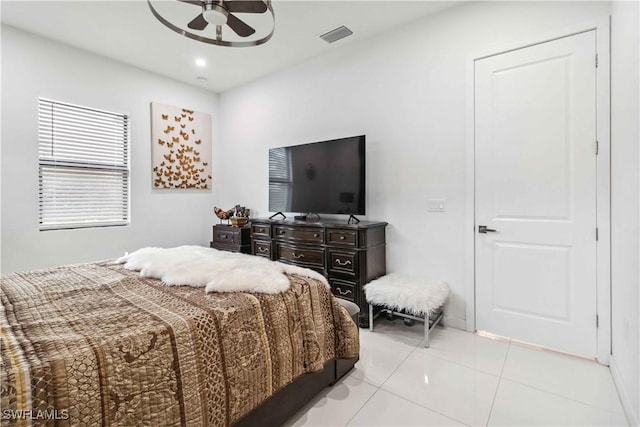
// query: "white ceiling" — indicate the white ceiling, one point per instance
point(128, 32)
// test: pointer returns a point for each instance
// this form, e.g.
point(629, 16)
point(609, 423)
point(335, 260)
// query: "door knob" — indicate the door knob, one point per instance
point(483, 229)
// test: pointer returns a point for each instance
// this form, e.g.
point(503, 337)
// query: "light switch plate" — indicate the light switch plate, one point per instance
point(435, 205)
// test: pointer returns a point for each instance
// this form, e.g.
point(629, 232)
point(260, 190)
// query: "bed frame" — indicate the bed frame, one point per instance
point(281, 406)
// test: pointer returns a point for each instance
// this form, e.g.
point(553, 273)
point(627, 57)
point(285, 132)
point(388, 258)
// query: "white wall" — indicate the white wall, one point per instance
point(34, 67)
point(625, 252)
point(406, 92)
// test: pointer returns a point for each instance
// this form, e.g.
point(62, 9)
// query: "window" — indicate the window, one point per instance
point(280, 179)
point(83, 167)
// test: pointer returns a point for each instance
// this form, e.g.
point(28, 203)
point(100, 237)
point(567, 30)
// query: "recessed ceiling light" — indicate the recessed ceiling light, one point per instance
point(201, 62)
point(202, 78)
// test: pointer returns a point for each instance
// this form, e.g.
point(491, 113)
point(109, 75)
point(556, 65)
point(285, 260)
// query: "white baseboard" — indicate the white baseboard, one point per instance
point(632, 417)
point(455, 322)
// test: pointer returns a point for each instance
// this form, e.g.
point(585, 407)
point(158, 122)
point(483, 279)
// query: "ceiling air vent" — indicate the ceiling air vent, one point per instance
point(336, 34)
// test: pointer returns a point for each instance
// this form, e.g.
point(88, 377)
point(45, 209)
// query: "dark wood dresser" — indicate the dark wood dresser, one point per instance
point(349, 255)
point(233, 239)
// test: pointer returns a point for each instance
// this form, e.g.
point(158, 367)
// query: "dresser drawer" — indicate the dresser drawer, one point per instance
point(343, 289)
point(310, 235)
point(262, 249)
point(344, 262)
point(261, 230)
point(300, 256)
point(342, 237)
point(226, 236)
point(245, 249)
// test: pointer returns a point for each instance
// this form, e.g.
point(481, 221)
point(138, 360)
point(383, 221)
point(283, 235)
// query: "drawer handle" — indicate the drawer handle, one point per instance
point(347, 292)
point(262, 230)
point(297, 256)
point(263, 250)
point(340, 262)
point(316, 235)
point(281, 232)
point(224, 236)
point(342, 237)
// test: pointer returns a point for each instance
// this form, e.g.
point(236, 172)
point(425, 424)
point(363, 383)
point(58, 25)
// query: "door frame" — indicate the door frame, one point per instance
point(603, 174)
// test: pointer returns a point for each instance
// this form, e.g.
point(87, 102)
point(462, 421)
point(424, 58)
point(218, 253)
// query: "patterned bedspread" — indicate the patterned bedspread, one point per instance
point(95, 344)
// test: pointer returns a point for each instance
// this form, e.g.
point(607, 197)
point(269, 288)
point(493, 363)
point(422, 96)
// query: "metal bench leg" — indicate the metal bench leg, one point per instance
point(426, 331)
point(370, 318)
point(428, 328)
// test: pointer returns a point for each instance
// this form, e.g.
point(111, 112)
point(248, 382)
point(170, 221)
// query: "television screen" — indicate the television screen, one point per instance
point(323, 177)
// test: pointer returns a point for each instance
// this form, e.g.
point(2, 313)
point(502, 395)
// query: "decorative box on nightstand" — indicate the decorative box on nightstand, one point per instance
point(233, 239)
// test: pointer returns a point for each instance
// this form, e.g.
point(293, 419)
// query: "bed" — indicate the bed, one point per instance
point(96, 344)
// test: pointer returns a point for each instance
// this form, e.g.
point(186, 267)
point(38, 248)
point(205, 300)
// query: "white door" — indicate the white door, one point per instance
point(535, 145)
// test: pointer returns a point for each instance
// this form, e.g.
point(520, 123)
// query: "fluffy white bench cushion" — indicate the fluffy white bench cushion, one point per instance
point(414, 295)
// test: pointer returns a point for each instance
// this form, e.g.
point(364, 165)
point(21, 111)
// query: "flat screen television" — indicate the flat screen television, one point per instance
point(325, 177)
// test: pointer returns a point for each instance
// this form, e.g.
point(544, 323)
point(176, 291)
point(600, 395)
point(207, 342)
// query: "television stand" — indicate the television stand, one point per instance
point(352, 220)
point(348, 255)
point(278, 213)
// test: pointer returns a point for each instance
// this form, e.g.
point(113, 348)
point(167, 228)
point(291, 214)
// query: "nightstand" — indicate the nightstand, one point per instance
point(233, 239)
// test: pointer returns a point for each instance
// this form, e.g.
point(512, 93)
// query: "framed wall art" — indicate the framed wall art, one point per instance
point(180, 147)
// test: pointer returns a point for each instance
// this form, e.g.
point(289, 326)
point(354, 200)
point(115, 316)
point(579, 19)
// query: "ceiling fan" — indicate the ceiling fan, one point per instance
point(220, 13)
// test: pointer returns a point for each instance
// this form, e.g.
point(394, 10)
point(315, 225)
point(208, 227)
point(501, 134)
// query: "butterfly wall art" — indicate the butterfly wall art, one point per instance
point(180, 147)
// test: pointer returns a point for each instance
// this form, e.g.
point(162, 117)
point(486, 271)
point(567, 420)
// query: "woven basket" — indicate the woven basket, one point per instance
point(238, 221)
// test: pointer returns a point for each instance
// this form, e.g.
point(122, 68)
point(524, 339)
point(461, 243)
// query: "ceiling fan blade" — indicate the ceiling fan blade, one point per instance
point(194, 2)
point(198, 23)
point(245, 6)
point(239, 27)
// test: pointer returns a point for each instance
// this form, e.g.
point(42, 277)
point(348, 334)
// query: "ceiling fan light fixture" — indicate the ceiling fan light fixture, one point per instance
point(215, 14)
point(221, 14)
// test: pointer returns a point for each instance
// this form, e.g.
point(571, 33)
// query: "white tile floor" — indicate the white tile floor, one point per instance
point(463, 379)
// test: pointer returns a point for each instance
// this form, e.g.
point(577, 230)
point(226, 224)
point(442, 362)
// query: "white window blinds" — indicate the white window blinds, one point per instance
point(279, 180)
point(83, 166)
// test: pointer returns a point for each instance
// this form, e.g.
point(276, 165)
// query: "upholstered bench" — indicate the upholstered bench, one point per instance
point(408, 297)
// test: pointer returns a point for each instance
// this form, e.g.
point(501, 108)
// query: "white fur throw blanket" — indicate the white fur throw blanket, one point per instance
point(215, 270)
point(414, 295)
